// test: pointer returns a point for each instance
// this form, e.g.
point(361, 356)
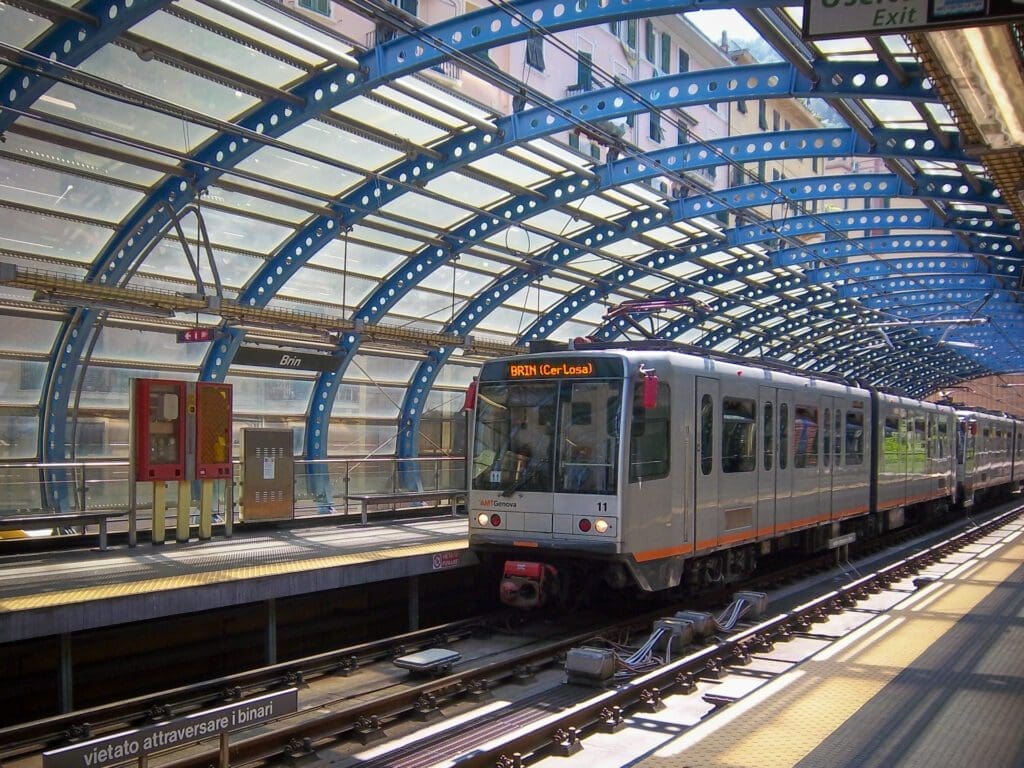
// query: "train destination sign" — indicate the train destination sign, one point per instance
point(129, 746)
point(568, 367)
point(853, 18)
point(550, 370)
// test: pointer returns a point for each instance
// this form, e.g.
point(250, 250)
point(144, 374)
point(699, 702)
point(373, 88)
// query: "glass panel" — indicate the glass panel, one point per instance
point(45, 236)
point(739, 434)
point(217, 49)
point(783, 435)
point(18, 440)
point(650, 435)
point(805, 436)
point(707, 425)
point(854, 437)
point(121, 119)
point(514, 437)
point(21, 382)
point(304, 172)
point(588, 444)
point(320, 138)
point(25, 334)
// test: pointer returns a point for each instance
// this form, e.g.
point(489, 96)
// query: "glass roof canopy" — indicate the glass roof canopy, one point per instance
point(231, 163)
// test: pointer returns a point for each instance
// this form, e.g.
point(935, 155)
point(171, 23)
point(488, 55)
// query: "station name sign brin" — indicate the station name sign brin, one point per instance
point(129, 746)
point(853, 18)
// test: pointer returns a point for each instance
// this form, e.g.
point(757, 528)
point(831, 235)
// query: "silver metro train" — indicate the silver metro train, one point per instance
point(611, 466)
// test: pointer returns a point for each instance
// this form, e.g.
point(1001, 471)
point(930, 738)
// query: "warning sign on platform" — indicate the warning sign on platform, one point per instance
point(127, 746)
point(446, 560)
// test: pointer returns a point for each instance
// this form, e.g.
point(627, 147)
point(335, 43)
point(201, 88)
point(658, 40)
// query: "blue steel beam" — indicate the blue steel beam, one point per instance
point(840, 251)
point(69, 42)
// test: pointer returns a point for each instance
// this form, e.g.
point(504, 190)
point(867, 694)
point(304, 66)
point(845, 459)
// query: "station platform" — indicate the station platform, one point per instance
point(64, 592)
point(922, 675)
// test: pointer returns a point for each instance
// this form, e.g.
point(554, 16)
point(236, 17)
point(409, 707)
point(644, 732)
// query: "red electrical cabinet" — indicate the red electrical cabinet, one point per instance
point(213, 430)
point(159, 429)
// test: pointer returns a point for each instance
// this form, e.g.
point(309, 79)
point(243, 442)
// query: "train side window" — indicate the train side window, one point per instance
point(769, 436)
point(805, 436)
point(650, 437)
point(943, 438)
point(707, 415)
point(854, 437)
point(739, 434)
point(783, 435)
point(827, 453)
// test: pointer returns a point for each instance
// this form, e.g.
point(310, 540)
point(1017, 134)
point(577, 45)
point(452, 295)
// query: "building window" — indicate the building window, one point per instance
point(584, 71)
point(775, 120)
point(535, 51)
point(684, 61)
point(650, 42)
point(762, 115)
point(323, 7)
point(681, 133)
point(655, 132)
point(666, 53)
point(741, 106)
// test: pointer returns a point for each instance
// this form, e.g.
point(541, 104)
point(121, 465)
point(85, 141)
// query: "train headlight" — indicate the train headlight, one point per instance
point(601, 526)
point(584, 525)
point(482, 518)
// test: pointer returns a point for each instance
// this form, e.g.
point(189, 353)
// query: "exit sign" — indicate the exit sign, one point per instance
point(196, 334)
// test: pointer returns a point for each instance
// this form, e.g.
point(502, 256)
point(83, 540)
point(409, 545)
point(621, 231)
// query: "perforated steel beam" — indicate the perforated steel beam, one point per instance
point(69, 42)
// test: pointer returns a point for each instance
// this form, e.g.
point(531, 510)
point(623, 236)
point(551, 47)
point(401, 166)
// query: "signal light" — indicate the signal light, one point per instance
point(482, 518)
point(584, 525)
point(495, 520)
point(601, 526)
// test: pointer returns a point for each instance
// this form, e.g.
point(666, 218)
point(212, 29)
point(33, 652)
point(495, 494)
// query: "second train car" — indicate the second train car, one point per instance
point(600, 468)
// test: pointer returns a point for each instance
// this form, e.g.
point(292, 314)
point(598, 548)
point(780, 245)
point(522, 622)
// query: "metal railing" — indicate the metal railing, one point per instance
point(105, 484)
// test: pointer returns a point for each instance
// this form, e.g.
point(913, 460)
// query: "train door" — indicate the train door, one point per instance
point(783, 461)
point(767, 463)
point(827, 475)
point(706, 465)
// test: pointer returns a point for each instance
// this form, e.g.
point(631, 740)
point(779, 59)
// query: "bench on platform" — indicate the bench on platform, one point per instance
point(394, 498)
point(37, 521)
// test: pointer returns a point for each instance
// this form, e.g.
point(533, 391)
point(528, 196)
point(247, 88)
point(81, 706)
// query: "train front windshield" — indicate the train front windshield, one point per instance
point(548, 436)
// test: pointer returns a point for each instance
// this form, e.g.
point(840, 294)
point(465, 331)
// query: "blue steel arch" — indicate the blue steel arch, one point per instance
point(668, 91)
point(70, 42)
point(674, 330)
point(322, 91)
point(799, 190)
point(752, 235)
point(814, 188)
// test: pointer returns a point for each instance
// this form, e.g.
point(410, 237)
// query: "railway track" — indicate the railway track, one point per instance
point(551, 720)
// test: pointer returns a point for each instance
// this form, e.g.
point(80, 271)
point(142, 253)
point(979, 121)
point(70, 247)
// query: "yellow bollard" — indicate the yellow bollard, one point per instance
point(159, 525)
point(205, 509)
point(184, 510)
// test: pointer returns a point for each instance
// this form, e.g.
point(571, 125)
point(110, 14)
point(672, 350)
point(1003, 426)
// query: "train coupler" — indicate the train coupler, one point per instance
point(526, 584)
